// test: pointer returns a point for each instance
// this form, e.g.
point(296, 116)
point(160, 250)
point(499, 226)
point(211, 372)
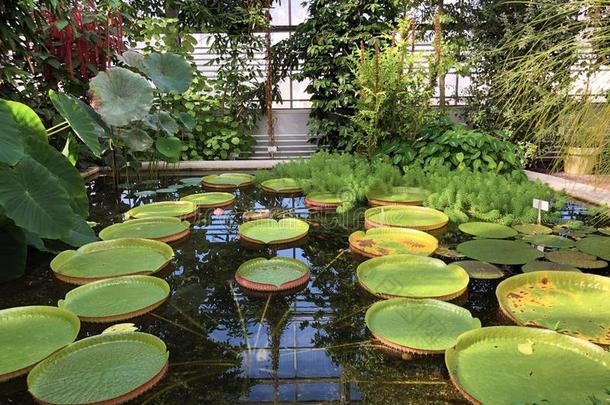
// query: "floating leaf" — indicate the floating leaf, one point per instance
point(499, 251)
point(74, 111)
point(210, 200)
point(120, 96)
point(121, 327)
point(137, 139)
point(270, 231)
point(533, 229)
point(169, 71)
point(547, 266)
point(145, 193)
point(228, 181)
point(480, 270)
point(421, 326)
point(171, 147)
point(399, 196)
point(551, 241)
point(487, 230)
point(165, 229)
point(576, 368)
point(179, 209)
point(389, 241)
point(191, 181)
point(271, 275)
point(324, 200)
point(405, 217)
point(595, 245)
point(107, 368)
point(412, 276)
point(575, 259)
point(559, 300)
point(448, 253)
point(604, 231)
point(283, 185)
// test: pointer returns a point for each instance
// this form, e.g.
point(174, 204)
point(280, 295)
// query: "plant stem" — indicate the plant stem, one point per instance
point(57, 128)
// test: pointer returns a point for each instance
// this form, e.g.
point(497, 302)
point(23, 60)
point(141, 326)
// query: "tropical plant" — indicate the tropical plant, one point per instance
point(42, 196)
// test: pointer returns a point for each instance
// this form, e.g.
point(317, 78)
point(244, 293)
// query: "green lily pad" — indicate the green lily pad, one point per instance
point(448, 253)
point(533, 229)
point(120, 96)
point(423, 218)
point(30, 334)
point(595, 245)
point(270, 231)
point(539, 265)
point(499, 251)
point(168, 71)
point(109, 368)
point(604, 231)
point(528, 366)
point(179, 209)
point(228, 180)
point(390, 241)
point(576, 259)
point(323, 200)
point(275, 274)
point(570, 303)
point(283, 185)
point(412, 276)
point(551, 241)
point(116, 299)
point(165, 229)
point(487, 230)
point(480, 270)
point(210, 200)
point(421, 326)
point(399, 196)
point(145, 193)
point(166, 190)
point(191, 181)
point(111, 258)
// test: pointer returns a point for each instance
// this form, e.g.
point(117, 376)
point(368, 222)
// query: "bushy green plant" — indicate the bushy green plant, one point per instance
point(467, 195)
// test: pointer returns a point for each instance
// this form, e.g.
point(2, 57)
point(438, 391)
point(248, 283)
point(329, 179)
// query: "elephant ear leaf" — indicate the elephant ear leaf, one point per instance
point(75, 112)
point(17, 122)
point(168, 71)
point(120, 96)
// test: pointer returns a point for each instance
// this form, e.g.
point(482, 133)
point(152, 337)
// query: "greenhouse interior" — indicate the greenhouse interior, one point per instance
point(317, 202)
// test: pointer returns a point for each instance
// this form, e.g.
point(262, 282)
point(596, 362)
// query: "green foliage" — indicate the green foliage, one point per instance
point(466, 195)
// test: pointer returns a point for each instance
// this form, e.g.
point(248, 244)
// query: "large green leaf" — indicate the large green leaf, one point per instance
point(167, 123)
point(169, 147)
point(13, 251)
point(488, 230)
point(18, 122)
point(181, 209)
point(276, 272)
point(169, 71)
point(160, 228)
point(80, 234)
point(121, 96)
point(595, 245)
point(35, 200)
point(137, 139)
point(210, 200)
point(74, 111)
point(227, 180)
point(499, 251)
point(270, 231)
point(390, 241)
point(400, 216)
point(133, 59)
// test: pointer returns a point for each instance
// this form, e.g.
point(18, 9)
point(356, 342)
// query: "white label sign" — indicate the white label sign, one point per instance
point(271, 149)
point(541, 204)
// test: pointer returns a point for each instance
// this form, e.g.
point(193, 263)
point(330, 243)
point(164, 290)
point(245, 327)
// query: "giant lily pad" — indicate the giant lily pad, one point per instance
point(228, 181)
point(480, 270)
point(390, 241)
point(405, 217)
point(210, 200)
point(507, 365)
point(487, 230)
point(539, 265)
point(323, 201)
point(275, 274)
point(420, 326)
point(270, 231)
point(116, 299)
point(570, 303)
point(551, 241)
point(499, 251)
point(604, 231)
point(399, 196)
point(178, 209)
point(30, 334)
point(575, 259)
point(111, 258)
point(533, 229)
point(165, 229)
point(281, 186)
point(412, 276)
point(110, 368)
point(595, 245)
point(168, 71)
point(120, 96)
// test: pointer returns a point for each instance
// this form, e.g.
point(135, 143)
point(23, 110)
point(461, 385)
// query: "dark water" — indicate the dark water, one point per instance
point(225, 347)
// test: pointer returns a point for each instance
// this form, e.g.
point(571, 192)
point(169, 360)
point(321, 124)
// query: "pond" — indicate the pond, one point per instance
point(227, 347)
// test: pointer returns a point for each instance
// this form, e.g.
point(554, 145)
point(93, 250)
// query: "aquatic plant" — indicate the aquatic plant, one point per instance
point(165, 229)
point(272, 275)
point(270, 231)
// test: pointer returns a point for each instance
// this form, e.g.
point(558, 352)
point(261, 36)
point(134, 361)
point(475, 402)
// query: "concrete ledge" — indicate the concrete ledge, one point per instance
point(580, 191)
point(215, 164)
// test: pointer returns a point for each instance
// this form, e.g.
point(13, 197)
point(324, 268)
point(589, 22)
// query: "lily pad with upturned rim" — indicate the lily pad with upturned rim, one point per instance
point(228, 181)
point(116, 299)
point(480, 270)
point(423, 326)
point(527, 366)
point(30, 334)
point(499, 251)
point(399, 196)
point(272, 275)
point(399, 216)
point(111, 258)
point(570, 303)
point(210, 200)
point(164, 229)
point(595, 245)
point(551, 241)
point(178, 209)
point(488, 230)
point(388, 241)
point(604, 231)
point(540, 265)
point(323, 201)
point(110, 368)
point(281, 186)
point(412, 276)
point(533, 229)
point(576, 259)
point(270, 231)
